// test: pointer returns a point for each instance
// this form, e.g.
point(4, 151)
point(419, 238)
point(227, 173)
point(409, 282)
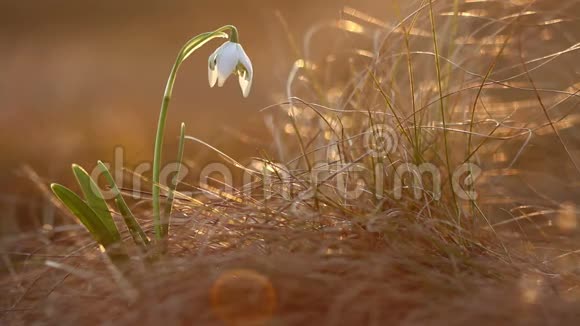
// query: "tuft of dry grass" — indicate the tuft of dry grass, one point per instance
point(480, 82)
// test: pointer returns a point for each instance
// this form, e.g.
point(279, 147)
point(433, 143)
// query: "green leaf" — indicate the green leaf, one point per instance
point(95, 199)
point(135, 230)
point(85, 214)
point(165, 220)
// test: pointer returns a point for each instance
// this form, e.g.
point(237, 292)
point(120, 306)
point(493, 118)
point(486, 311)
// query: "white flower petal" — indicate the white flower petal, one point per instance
point(245, 79)
point(227, 60)
point(212, 58)
point(245, 84)
point(245, 60)
point(211, 68)
point(212, 76)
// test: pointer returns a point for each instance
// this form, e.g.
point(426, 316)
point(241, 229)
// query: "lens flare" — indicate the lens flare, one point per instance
point(243, 297)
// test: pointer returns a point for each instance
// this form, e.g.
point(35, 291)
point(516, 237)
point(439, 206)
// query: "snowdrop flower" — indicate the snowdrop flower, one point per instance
point(228, 59)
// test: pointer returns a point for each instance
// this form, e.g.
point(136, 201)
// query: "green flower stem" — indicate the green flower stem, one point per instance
point(190, 47)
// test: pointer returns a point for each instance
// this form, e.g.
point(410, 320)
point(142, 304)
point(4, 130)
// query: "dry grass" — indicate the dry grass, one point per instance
point(331, 272)
point(482, 82)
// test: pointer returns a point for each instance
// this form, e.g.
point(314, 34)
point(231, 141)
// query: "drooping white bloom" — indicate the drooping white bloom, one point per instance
point(228, 59)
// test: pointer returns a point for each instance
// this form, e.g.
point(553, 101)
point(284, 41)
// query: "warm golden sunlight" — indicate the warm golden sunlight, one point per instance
point(322, 162)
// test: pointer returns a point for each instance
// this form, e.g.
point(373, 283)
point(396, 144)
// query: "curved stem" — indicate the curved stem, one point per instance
point(190, 47)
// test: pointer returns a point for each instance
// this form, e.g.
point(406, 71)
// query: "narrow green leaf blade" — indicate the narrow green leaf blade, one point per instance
point(137, 233)
point(85, 214)
point(165, 219)
point(95, 199)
